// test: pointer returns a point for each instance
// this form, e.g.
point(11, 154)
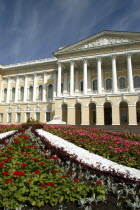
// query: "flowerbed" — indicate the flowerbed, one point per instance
point(30, 175)
point(116, 148)
point(11, 127)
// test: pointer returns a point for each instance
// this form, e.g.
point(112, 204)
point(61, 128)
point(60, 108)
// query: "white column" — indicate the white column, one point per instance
point(25, 88)
point(17, 85)
point(65, 83)
point(114, 75)
point(77, 82)
point(34, 87)
point(59, 79)
point(129, 72)
point(85, 77)
point(99, 76)
point(89, 80)
point(8, 91)
point(71, 77)
point(54, 84)
point(44, 87)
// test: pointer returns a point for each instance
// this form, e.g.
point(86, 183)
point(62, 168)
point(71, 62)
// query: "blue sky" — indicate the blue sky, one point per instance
point(33, 29)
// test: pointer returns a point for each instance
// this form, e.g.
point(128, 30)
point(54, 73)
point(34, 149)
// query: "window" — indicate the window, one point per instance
point(18, 117)
point(95, 85)
point(48, 116)
point(122, 83)
point(136, 82)
point(1, 117)
point(21, 93)
point(81, 86)
point(108, 84)
point(27, 116)
point(5, 94)
point(50, 91)
point(13, 94)
point(38, 116)
point(61, 87)
point(123, 116)
point(9, 117)
point(40, 92)
point(31, 93)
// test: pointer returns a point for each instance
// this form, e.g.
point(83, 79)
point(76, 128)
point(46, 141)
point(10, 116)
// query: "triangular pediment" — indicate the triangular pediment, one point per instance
point(104, 38)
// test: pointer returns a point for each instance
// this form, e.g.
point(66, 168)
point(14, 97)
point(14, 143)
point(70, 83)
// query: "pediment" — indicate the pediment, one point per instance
point(104, 38)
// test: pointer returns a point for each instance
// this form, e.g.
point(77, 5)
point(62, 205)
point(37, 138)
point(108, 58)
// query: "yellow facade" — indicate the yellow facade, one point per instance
point(41, 89)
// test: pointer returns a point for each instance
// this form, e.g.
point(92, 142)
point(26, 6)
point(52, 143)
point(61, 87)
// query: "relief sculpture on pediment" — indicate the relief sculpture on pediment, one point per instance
point(105, 41)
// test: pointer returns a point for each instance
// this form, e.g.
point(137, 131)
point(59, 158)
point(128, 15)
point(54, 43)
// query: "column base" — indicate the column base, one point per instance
point(133, 124)
point(115, 124)
point(100, 124)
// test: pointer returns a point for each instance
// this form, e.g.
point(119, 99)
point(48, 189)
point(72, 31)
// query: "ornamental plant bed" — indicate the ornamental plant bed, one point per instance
point(118, 148)
point(31, 176)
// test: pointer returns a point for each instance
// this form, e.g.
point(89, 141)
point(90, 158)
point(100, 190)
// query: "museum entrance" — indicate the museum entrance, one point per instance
point(123, 113)
point(78, 114)
point(107, 113)
point(64, 113)
point(92, 113)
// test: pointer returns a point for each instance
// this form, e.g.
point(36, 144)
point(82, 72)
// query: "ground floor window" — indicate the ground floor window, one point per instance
point(18, 117)
point(38, 116)
point(9, 119)
point(27, 116)
point(48, 116)
point(1, 117)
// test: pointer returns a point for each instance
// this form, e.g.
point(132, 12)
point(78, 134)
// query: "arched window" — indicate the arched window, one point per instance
point(5, 94)
point(13, 94)
point(50, 91)
point(95, 85)
point(109, 84)
point(21, 93)
point(136, 82)
point(81, 86)
point(31, 93)
point(40, 92)
point(61, 87)
point(122, 83)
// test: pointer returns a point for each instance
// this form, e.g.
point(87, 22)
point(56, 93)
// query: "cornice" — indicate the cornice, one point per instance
point(29, 63)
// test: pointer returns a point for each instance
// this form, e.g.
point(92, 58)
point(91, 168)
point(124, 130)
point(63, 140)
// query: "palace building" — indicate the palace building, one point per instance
point(93, 81)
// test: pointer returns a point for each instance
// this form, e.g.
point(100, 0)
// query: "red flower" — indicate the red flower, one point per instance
point(37, 172)
point(16, 142)
point(8, 181)
point(42, 163)
point(35, 159)
point(5, 160)
point(10, 147)
point(23, 147)
point(10, 157)
point(1, 164)
point(53, 157)
point(19, 173)
point(5, 173)
point(23, 164)
point(50, 183)
point(5, 143)
point(99, 182)
point(45, 151)
point(6, 151)
point(53, 172)
point(36, 147)
point(43, 185)
point(64, 177)
point(29, 180)
point(76, 180)
point(71, 173)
